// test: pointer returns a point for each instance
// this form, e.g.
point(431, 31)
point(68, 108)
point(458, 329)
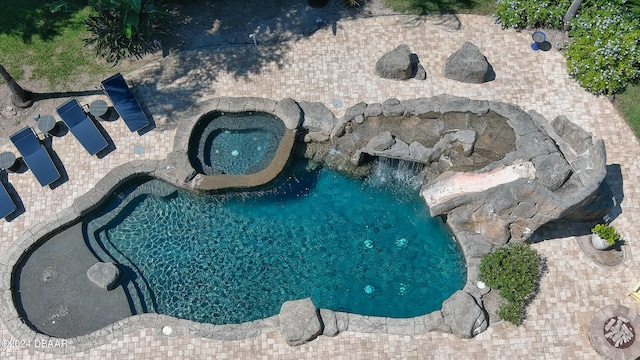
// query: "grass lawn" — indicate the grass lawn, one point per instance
point(37, 44)
point(628, 103)
point(424, 7)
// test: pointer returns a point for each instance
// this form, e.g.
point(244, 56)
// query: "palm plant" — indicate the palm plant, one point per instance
point(123, 28)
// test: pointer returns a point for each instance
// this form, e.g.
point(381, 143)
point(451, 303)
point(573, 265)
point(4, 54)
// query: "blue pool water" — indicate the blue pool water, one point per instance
point(236, 151)
point(234, 143)
point(364, 247)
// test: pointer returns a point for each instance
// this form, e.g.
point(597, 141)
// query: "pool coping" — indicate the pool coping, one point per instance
point(173, 169)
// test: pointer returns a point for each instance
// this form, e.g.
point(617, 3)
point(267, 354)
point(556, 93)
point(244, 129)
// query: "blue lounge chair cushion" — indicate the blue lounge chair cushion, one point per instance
point(7, 206)
point(35, 156)
point(82, 127)
point(125, 103)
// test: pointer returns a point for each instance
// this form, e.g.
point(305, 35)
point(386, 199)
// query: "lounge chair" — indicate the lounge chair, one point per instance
point(635, 292)
point(35, 156)
point(82, 127)
point(7, 206)
point(125, 103)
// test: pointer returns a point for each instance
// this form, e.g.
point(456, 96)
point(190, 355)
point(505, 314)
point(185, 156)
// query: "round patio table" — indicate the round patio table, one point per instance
point(7, 160)
point(98, 108)
point(46, 123)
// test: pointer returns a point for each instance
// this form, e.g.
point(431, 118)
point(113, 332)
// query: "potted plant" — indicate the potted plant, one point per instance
point(604, 236)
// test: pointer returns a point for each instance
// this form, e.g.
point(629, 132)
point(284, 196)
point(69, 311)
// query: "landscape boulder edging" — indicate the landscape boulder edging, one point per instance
point(299, 321)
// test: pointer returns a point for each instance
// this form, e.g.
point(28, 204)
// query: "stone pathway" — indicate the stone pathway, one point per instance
point(325, 67)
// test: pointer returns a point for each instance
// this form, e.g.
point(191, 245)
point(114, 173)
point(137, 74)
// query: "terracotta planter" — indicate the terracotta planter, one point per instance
point(599, 243)
point(317, 3)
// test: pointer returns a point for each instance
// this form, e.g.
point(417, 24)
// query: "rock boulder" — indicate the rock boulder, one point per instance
point(463, 315)
point(381, 142)
point(330, 322)
point(289, 112)
point(299, 321)
point(317, 118)
point(105, 275)
point(467, 65)
point(396, 64)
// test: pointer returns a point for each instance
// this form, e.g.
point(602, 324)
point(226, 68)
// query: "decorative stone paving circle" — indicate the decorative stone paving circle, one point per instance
point(612, 332)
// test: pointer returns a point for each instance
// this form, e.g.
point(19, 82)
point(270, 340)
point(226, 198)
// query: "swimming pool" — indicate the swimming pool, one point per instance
point(365, 247)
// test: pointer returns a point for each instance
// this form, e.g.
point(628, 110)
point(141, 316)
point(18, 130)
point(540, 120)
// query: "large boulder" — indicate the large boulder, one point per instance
point(380, 142)
point(289, 112)
point(396, 64)
point(105, 275)
point(299, 321)
point(317, 118)
point(467, 65)
point(463, 315)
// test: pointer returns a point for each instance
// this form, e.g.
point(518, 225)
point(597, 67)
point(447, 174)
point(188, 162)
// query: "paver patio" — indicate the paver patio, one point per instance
point(325, 67)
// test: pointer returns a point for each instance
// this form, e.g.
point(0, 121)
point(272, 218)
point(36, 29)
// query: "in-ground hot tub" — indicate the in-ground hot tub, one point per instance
point(234, 143)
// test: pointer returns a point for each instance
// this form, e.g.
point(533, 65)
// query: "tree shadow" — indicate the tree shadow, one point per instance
point(426, 7)
point(211, 46)
point(64, 94)
point(30, 19)
point(257, 31)
point(192, 27)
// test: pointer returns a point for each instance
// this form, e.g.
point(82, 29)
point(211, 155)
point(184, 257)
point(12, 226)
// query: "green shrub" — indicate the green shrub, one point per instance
point(124, 28)
point(514, 272)
point(521, 14)
point(604, 52)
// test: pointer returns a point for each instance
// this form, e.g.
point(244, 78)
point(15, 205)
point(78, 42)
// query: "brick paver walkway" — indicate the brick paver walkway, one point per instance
point(325, 67)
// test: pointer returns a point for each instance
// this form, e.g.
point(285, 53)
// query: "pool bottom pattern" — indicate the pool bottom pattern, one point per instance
point(351, 246)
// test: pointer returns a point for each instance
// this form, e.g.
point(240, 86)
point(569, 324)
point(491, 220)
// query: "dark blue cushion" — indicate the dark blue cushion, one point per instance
point(35, 156)
point(7, 206)
point(82, 127)
point(125, 103)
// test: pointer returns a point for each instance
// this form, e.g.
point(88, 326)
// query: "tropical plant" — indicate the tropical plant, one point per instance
point(514, 271)
point(123, 28)
point(606, 232)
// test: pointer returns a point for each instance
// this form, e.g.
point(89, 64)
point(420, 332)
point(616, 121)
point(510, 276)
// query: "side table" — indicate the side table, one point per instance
point(7, 160)
point(98, 108)
point(46, 123)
